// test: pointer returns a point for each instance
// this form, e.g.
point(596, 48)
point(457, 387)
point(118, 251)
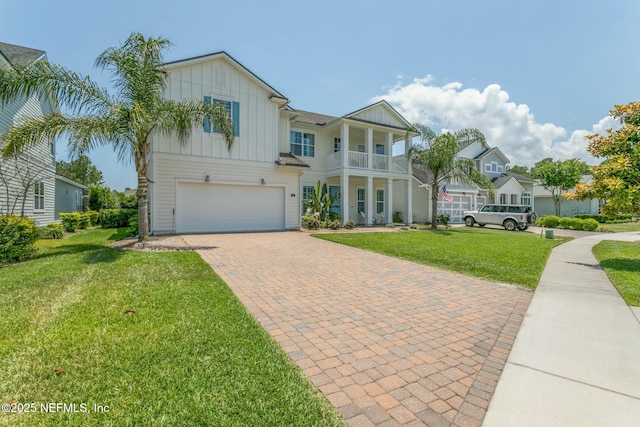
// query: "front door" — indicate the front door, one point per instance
point(334, 191)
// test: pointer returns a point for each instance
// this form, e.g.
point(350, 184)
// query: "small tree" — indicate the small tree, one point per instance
point(617, 179)
point(558, 177)
point(437, 154)
point(80, 170)
point(101, 198)
point(320, 202)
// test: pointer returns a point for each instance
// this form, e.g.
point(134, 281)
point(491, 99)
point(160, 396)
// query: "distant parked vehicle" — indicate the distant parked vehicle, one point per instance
point(511, 217)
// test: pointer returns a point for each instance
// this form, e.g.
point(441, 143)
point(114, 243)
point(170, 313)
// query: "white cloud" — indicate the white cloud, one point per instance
point(509, 126)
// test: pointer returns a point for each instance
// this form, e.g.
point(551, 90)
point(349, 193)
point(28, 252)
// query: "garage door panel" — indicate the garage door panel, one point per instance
point(223, 207)
point(455, 209)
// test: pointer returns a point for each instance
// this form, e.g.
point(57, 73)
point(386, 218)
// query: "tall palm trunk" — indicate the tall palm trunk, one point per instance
point(143, 214)
point(434, 206)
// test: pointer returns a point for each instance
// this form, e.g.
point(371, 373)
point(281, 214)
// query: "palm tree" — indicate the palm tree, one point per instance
point(437, 155)
point(124, 120)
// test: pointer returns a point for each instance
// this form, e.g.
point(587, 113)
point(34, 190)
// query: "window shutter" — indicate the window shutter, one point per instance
point(207, 121)
point(235, 117)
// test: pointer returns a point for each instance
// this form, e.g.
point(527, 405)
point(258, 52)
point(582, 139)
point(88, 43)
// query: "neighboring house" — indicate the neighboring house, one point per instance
point(278, 155)
point(27, 184)
point(570, 208)
point(70, 196)
point(509, 188)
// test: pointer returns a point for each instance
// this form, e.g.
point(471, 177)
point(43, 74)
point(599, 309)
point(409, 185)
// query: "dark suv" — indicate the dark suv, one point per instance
point(508, 216)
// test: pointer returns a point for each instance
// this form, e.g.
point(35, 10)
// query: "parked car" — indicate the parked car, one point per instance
point(508, 216)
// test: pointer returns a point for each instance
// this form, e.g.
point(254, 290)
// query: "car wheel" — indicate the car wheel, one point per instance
point(510, 225)
point(523, 227)
point(532, 218)
point(482, 225)
point(468, 221)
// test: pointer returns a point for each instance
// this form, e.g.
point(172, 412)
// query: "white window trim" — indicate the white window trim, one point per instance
point(378, 202)
point(37, 196)
point(363, 200)
point(302, 143)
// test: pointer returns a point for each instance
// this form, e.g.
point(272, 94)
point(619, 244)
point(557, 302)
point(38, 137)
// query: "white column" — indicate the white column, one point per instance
point(369, 202)
point(368, 143)
point(388, 205)
point(409, 202)
point(390, 150)
point(344, 144)
point(407, 145)
point(344, 197)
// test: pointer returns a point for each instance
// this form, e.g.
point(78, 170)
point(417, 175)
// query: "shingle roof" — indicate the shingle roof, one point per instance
point(313, 118)
point(421, 174)
point(288, 159)
point(20, 54)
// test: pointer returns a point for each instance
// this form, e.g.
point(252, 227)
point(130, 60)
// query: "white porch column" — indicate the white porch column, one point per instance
point(388, 205)
point(409, 202)
point(368, 142)
point(390, 150)
point(344, 144)
point(407, 145)
point(344, 197)
point(369, 196)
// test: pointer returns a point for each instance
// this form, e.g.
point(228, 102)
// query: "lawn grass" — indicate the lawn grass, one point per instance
point(621, 262)
point(497, 255)
point(158, 338)
point(620, 228)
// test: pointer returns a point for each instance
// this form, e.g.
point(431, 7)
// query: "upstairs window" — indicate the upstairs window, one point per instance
point(233, 110)
point(493, 167)
point(302, 144)
point(336, 145)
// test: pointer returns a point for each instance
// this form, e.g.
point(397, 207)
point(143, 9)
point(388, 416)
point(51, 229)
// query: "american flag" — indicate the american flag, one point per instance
point(443, 193)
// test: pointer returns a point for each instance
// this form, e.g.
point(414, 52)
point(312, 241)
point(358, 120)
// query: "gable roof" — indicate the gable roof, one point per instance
point(313, 118)
point(19, 54)
point(489, 151)
point(224, 55)
point(508, 176)
point(384, 104)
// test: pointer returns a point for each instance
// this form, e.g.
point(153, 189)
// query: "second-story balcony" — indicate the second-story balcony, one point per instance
point(360, 160)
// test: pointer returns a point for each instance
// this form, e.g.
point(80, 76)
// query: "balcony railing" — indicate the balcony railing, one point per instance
point(359, 160)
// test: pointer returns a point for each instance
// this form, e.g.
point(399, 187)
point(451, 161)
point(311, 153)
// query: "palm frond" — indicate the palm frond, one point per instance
point(69, 89)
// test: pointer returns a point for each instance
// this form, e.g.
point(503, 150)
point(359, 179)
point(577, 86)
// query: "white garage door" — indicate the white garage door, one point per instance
point(455, 209)
point(205, 207)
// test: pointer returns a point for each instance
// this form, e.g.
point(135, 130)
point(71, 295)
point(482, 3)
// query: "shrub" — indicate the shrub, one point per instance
point(18, 236)
point(311, 221)
point(349, 224)
point(590, 224)
point(565, 222)
point(93, 216)
point(70, 221)
point(52, 231)
point(334, 225)
point(443, 219)
point(116, 218)
point(133, 225)
point(550, 221)
point(397, 217)
point(84, 221)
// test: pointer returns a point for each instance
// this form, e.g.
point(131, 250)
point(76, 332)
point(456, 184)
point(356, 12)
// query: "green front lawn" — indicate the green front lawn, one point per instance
point(621, 262)
point(511, 257)
point(620, 228)
point(158, 338)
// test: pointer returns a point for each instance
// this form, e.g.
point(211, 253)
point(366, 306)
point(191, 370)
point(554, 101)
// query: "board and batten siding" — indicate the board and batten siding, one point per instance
point(379, 114)
point(259, 116)
point(37, 160)
point(173, 169)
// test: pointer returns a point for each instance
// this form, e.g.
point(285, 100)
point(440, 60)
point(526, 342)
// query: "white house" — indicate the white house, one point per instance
point(278, 155)
point(27, 183)
point(509, 188)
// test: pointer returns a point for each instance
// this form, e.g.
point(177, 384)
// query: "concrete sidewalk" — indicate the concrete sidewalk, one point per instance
point(576, 358)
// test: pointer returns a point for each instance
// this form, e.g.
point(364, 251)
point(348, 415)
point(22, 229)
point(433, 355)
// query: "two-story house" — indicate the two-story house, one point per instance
point(509, 188)
point(27, 183)
point(278, 155)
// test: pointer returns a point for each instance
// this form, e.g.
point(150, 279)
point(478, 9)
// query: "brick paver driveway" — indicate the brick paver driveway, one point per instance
point(388, 342)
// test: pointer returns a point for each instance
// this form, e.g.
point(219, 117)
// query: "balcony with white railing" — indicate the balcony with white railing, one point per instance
point(360, 160)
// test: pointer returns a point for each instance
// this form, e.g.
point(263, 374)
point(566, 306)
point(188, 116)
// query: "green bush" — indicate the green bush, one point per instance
point(18, 236)
point(52, 231)
point(443, 219)
point(70, 221)
point(590, 224)
point(550, 221)
point(116, 218)
point(93, 216)
point(133, 225)
point(349, 224)
point(565, 222)
point(397, 217)
point(84, 221)
point(603, 219)
point(334, 225)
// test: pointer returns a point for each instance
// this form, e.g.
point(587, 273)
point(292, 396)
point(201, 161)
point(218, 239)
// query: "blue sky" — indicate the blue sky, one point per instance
point(533, 76)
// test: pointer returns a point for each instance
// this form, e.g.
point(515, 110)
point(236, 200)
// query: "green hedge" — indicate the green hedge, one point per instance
point(116, 218)
point(603, 219)
point(70, 221)
point(52, 231)
point(93, 217)
point(553, 221)
point(18, 236)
